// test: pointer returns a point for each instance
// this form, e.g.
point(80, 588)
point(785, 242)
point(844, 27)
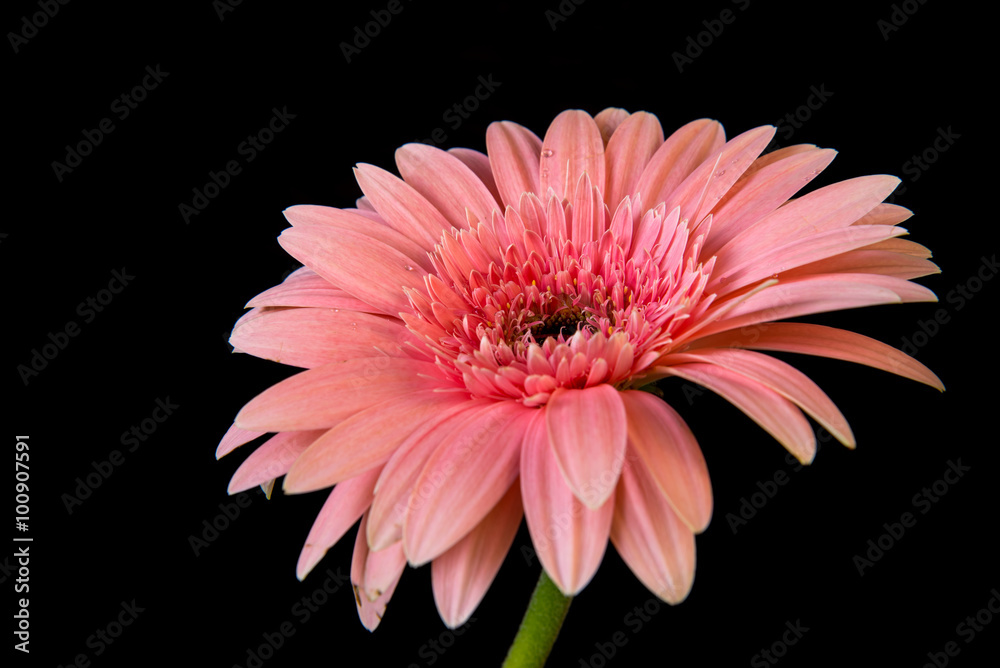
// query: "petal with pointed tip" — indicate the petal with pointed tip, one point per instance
point(651, 538)
point(462, 575)
point(668, 450)
point(588, 431)
point(345, 505)
point(452, 493)
point(320, 398)
point(272, 458)
point(569, 538)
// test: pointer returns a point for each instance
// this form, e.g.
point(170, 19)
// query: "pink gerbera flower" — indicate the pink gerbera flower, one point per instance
point(476, 334)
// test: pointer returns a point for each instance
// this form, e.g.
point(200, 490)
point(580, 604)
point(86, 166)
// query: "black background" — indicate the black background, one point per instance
point(165, 335)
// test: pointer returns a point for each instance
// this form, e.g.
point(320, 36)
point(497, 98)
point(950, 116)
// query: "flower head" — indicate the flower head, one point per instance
point(476, 332)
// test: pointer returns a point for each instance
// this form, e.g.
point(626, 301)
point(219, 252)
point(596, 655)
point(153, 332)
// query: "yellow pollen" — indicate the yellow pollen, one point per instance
point(532, 282)
point(609, 330)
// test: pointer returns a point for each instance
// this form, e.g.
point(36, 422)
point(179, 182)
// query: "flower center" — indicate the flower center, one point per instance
point(515, 310)
point(565, 321)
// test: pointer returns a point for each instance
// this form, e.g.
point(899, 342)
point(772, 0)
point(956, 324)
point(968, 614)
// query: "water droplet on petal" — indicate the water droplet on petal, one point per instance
point(407, 267)
point(720, 173)
point(548, 153)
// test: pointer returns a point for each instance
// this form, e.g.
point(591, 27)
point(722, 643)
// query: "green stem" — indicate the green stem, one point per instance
point(540, 626)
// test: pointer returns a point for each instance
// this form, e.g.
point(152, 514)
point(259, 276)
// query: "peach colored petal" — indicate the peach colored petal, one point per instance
point(364, 440)
point(588, 430)
point(651, 538)
point(572, 146)
point(824, 341)
point(629, 150)
point(451, 495)
point(272, 459)
point(448, 185)
point(462, 575)
point(778, 416)
point(345, 505)
point(667, 450)
point(320, 398)
point(569, 538)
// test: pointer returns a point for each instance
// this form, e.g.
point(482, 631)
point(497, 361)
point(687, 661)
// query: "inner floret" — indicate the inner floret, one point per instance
point(517, 309)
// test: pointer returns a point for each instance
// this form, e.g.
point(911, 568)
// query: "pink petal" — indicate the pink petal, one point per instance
point(588, 431)
point(776, 375)
point(776, 415)
point(901, 246)
point(446, 183)
point(514, 152)
point(371, 611)
point(311, 337)
point(365, 440)
point(346, 504)
point(307, 289)
point(463, 480)
point(760, 192)
point(367, 269)
point(234, 438)
point(884, 214)
point(572, 146)
point(630, 149)
point(651, 538)
point(462, 575)
point(569, 538)
point(677, 157)
point(887, 263)
point(608, 121)
point(320, 398)
point(705, 186)
point(352, 224)
point(272, 459)
point(667, 449)
point(736, 269)
point(479, 163)
point(831, 207)
point(402, 206)
point(394, 489)
point(815, 294)
point(824, 341)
